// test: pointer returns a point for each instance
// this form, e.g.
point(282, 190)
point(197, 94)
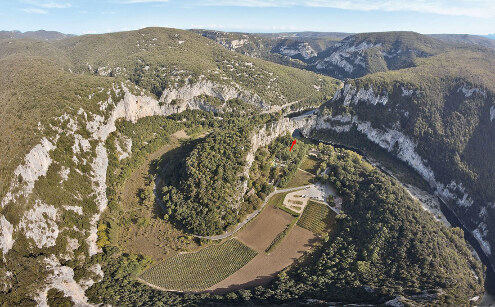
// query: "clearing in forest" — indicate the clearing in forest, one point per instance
point(310, 164)
point(300, 178)
point(146, 231)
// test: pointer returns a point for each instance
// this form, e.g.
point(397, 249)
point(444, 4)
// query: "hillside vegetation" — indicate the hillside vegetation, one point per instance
point(81, 114)
point(342, 55)
point(159, 58)
point(61, 100)
point(383, 245)
point(446, 108)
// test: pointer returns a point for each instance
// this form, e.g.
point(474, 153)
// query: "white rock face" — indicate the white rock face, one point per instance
point(428, 202)
point(127, 150)
point(40, 224)
point(6, 230)
point(405, 149)
point(61, 278)
point(76, 209)
point(396, 302)
point(64, 173)
point(236, 43)
point(492, 113)
point(351, 95)
point(186, 96)
point(72, 245)
point(96, 269)
point(480, 233)
point(304, 49)
point(346, 54)
point(36, 164)
point(80, 144)
point(406, 92)
point(269, 133)
point(468, 91)
point(99, 166)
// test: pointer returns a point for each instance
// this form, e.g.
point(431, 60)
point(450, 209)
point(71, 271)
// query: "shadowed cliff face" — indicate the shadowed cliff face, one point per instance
point(391, 116)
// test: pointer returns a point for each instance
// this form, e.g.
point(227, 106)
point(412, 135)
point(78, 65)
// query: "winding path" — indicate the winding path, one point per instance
point(241, 224)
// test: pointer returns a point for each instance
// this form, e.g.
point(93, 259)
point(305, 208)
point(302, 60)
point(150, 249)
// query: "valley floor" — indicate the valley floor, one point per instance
point(271, 232)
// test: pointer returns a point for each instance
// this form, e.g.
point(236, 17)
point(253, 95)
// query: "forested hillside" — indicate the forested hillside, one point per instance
point(386, 245)
point(96, 127)
point(160, 59)
point(292, 49)
point(343, 55)
point(438, 118)
point(60, 102)
point(385, 248)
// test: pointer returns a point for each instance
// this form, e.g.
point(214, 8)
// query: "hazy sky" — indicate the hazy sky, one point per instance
point(92, 16)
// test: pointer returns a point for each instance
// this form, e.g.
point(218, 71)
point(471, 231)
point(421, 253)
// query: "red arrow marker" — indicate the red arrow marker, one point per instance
point(293, 142)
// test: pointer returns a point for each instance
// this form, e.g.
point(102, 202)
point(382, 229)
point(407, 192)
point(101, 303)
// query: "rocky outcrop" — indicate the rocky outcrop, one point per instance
point(301, 48)
point(62, 279)
point(127, 144)
point(404, 148)
point(35, 164)
point(468, 91)
point(354, 96)
point(183, 98)
point(270, 132)
point(40, 224)
point(346, 56)
point(6, 230)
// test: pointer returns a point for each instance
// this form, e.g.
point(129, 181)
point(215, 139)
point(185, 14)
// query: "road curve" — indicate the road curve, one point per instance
point(241, 224)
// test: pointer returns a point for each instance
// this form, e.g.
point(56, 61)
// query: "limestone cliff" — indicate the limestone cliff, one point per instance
point(395, 139)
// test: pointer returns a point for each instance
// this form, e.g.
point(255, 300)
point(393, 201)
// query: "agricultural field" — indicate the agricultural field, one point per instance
point(317, 217)
point(310, 164)
point(272, 230)
point(300, 178)
point(294, 201)
point(261, 231)
point(280, 237)
point(199, 270)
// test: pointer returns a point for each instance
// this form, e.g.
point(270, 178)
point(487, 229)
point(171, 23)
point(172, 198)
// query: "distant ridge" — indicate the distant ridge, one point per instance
point(40, 34)
point(486, 41)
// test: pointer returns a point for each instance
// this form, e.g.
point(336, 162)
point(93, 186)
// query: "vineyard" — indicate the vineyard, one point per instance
point(317, 218)
point(200, 270)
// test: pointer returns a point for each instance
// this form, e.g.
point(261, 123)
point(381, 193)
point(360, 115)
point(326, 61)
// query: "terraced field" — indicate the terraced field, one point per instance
point(200, 270)
point(317, 217)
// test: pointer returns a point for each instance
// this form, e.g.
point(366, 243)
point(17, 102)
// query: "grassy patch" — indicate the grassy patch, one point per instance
point(278, 239)
point(300, 178)
point(317, 218)
point(200, 270)
point(310, 165)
